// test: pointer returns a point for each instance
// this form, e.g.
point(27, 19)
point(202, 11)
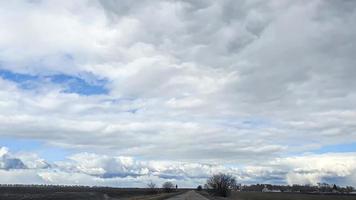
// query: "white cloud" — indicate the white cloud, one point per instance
point(8, 162)
point(231, 82)
point(98, 169)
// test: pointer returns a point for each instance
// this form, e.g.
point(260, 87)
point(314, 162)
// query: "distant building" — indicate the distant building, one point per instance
point(238, 187)
point(265, 189)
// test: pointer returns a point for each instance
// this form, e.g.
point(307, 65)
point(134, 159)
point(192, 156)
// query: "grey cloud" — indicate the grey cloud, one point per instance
point(99, 169)
point(193, 71)
point(12, 163)
point(7, 162)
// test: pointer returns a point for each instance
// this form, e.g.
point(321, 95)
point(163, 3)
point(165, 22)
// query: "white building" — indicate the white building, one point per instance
point(265, 189)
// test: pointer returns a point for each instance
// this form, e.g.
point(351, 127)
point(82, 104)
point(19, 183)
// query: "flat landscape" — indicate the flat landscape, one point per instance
point(178, 100)
point(83, 193)
point(283, 196)
point(29, 193)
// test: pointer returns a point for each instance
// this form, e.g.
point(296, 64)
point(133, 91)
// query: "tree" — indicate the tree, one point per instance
point(168, 186)
point(152, 187)
point(334, 187)
point(221, 184)
point(349, 189)
point(199, 188)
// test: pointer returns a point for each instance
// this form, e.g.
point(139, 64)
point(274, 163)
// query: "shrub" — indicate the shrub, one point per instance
point(152, 187)
point(199, 188)
point(168, 187)
point(221, 184)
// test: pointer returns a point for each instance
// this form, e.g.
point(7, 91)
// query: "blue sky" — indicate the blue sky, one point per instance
point(49, 153)
point(345, 147)
point(121, 93)
point(68, 83)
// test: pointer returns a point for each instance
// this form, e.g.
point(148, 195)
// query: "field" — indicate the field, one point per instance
point(287, 196)
point(81, 193)
point(102, 193)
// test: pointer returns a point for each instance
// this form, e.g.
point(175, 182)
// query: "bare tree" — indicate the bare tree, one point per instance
point(168, 186)
point(349, 189)
point(152, 187)
point(221, 184)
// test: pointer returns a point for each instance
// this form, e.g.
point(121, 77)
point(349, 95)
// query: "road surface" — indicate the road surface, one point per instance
point(190, 195)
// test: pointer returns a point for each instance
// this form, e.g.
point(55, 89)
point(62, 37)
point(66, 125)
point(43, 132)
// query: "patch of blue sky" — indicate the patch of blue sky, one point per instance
point(339, 148)
point(17, 77)
point(71, 84)
point(79, 85)
point(49, 153)
point(24, 81)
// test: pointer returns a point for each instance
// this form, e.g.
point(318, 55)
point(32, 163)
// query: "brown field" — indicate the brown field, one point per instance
point(73, 193)
point(286, 196)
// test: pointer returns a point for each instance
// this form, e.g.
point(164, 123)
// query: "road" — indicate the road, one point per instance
point(190, 195)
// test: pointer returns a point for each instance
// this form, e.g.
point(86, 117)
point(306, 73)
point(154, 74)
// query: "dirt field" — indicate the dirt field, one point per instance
point(54, 193)
point(286, 196)
point(30, 193)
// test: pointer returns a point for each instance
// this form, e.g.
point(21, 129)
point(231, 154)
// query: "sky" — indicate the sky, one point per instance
point(120, 93)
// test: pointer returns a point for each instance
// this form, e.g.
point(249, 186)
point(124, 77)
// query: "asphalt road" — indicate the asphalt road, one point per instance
point(190, 195)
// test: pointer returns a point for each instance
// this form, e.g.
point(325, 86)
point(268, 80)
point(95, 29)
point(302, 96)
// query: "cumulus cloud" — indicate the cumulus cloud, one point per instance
point(228, 82)
point(99, 169)
point(7, 162)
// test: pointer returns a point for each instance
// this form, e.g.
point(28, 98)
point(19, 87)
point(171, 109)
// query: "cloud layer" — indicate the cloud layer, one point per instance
point(223, 83)
point(96, 169)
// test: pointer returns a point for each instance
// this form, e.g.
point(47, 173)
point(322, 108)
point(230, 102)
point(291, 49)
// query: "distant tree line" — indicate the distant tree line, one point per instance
point(218, 184)
point(320, 188)
point(221, 185)
point(166, 187)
